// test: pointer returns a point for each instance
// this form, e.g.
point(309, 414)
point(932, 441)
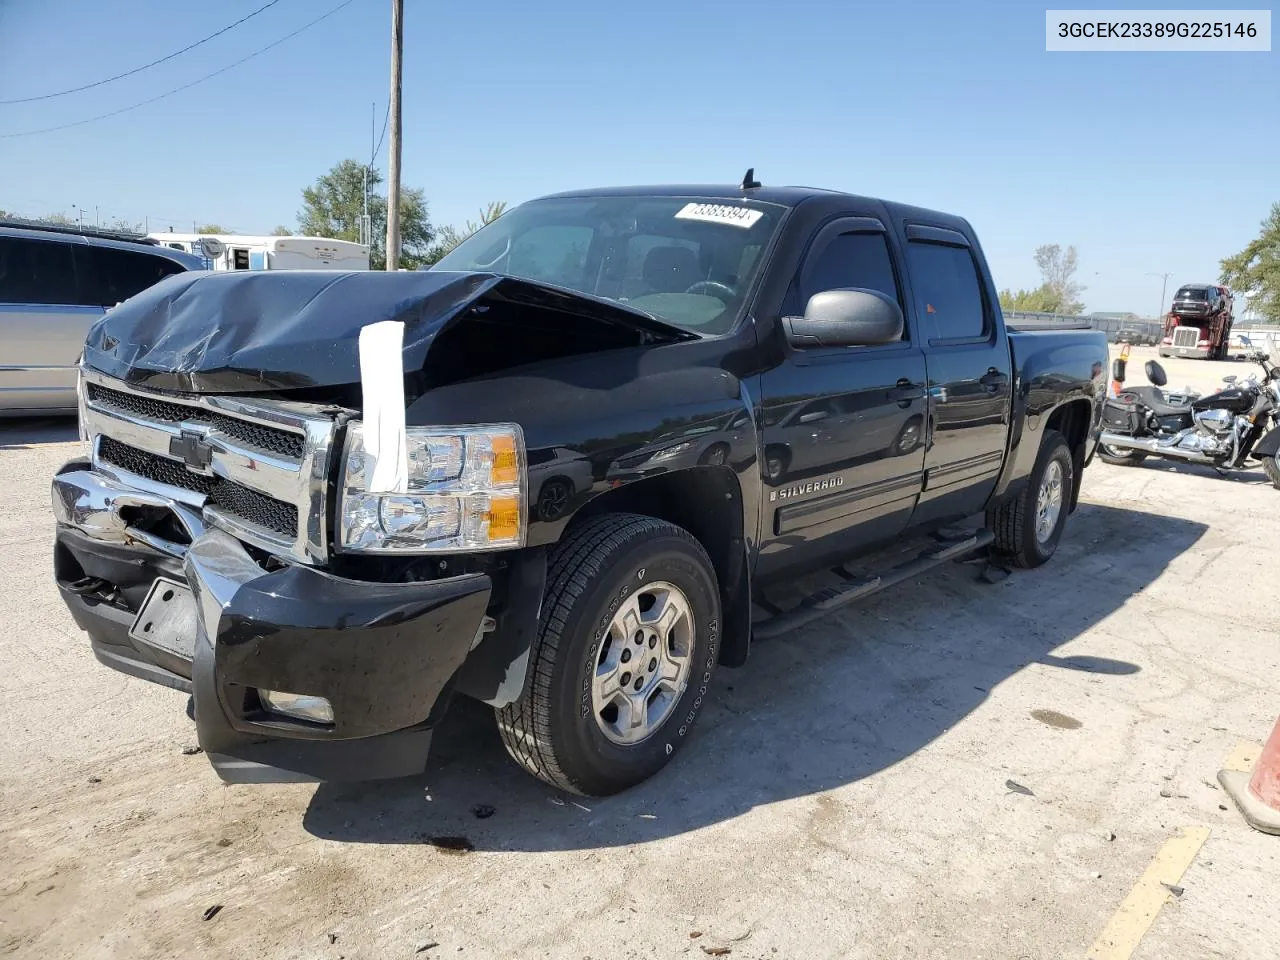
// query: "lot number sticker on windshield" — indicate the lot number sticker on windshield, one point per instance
point(743, 217)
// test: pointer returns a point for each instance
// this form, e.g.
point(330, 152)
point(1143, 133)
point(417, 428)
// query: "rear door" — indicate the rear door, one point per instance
point(969, 373)
point(45, 313)
point(843, 427)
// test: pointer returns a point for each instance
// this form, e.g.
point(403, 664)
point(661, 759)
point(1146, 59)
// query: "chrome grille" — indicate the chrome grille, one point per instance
point(266, 439)
point(237, 501)
point(263, 469)
point(1185, 336)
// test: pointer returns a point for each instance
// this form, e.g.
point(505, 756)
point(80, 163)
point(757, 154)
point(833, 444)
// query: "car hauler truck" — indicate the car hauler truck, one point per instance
point(1198, 323)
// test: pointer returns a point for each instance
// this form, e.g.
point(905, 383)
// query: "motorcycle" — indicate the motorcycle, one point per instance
point(1222, 430)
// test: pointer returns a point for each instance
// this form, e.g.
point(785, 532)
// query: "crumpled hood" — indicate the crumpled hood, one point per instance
point(241, 332)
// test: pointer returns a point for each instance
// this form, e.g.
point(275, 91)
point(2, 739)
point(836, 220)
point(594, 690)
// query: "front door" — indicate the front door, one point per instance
point(843, 427)
point(970, 376)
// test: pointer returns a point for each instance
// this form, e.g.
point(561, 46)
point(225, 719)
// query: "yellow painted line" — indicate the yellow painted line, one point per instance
point(1130, 923)
point(1242, 757)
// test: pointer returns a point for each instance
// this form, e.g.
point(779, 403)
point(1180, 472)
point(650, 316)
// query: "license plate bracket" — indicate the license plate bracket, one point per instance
point(167, 619)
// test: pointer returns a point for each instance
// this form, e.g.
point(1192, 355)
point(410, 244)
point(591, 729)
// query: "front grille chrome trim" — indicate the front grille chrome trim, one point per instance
point(303, 483)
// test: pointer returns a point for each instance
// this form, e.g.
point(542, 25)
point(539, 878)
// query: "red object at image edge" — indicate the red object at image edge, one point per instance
point(1265, 783)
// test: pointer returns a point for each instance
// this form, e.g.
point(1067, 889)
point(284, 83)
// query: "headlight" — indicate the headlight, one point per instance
point(466, 491)
point(667, 453)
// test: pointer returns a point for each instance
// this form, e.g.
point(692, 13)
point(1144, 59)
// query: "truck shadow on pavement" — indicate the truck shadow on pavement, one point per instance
point(838, 701)
point(17, 434)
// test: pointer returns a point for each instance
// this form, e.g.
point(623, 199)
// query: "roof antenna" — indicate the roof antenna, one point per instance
point(749, 182)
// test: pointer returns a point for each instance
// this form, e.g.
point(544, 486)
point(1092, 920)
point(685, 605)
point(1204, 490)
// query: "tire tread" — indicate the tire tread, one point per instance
point(1008, 520)
point(1271, 467)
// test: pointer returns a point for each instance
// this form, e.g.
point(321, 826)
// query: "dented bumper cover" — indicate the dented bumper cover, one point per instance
point(383, 654)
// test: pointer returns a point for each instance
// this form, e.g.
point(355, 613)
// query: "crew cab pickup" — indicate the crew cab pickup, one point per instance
point(550, 473)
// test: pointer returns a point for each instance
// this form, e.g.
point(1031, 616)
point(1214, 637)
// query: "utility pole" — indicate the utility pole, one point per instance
point(393, 161)
point(1164, 283)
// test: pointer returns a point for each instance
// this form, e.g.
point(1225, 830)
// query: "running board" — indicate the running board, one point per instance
point(824, 601)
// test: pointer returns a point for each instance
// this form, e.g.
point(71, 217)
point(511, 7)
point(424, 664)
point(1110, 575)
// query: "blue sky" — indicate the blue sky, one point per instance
point(1147, 162)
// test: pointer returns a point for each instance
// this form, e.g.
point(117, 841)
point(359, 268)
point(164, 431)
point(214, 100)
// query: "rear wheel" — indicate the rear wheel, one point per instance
point(1120, 456)
point(626, 646)
point(1027, 529)
point(1271, 468)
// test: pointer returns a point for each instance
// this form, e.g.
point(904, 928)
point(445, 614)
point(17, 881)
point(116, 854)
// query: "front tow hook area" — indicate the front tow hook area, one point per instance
point(361, 665)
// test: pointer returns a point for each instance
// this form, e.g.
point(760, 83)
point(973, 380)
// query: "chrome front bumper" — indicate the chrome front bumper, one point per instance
point(383, 654)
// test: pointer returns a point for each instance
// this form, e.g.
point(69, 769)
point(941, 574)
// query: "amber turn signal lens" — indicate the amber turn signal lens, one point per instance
point(504, 518)
point(506, 466)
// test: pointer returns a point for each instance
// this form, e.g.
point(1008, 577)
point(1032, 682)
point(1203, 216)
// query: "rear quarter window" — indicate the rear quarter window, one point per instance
point(121, 274)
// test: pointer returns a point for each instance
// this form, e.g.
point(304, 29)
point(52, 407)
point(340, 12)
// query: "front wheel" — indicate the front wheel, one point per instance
point(1027, 529)
point(627, 643)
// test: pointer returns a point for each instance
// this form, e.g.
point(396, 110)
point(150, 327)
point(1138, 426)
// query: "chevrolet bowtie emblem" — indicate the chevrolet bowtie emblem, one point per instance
point(192, 449)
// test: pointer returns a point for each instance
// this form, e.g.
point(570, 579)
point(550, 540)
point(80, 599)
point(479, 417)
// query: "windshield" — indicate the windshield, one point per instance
point(1191, 293)
point(685, 260)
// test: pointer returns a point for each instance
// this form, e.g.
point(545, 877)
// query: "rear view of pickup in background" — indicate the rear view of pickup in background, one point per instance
point(552, 473)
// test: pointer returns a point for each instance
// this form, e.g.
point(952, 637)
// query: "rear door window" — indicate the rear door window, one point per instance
point(948, 292)
point(120, 274)
point(37, 271)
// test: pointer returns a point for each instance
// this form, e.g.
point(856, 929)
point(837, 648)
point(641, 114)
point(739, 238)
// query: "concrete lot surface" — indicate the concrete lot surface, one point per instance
point(953, 769)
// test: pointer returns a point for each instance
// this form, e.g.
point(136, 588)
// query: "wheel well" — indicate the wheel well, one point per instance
point(706, 501)
point(1072, 420)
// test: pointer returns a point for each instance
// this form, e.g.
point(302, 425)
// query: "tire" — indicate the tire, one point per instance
point(1271, 468)
point(555, 730)
point(908, 438)
point(1015, 522)
point(1127, 458)
point(553, 498)
point(716, 455)
point(777, 461)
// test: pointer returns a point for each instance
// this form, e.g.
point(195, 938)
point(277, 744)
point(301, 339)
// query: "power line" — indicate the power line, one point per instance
point(145, 66)
point(185, 86)
point(385, 118)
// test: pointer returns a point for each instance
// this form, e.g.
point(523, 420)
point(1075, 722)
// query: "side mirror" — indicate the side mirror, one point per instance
point(851, 317)
point(1117, 369)
point(1155, 373)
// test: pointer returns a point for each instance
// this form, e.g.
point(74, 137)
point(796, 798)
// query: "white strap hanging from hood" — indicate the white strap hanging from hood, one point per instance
point(382, 382)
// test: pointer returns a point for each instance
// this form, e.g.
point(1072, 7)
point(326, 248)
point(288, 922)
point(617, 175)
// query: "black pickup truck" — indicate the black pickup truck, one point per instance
point(550, 473)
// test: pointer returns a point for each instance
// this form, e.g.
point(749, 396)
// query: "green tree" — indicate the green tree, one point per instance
point(334, 204)
point(213, 228)
point(59, 218)
point(281, 231)
point(1058, 268)
point(450, 236)
point(1039, 300)
point(1254, 272)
